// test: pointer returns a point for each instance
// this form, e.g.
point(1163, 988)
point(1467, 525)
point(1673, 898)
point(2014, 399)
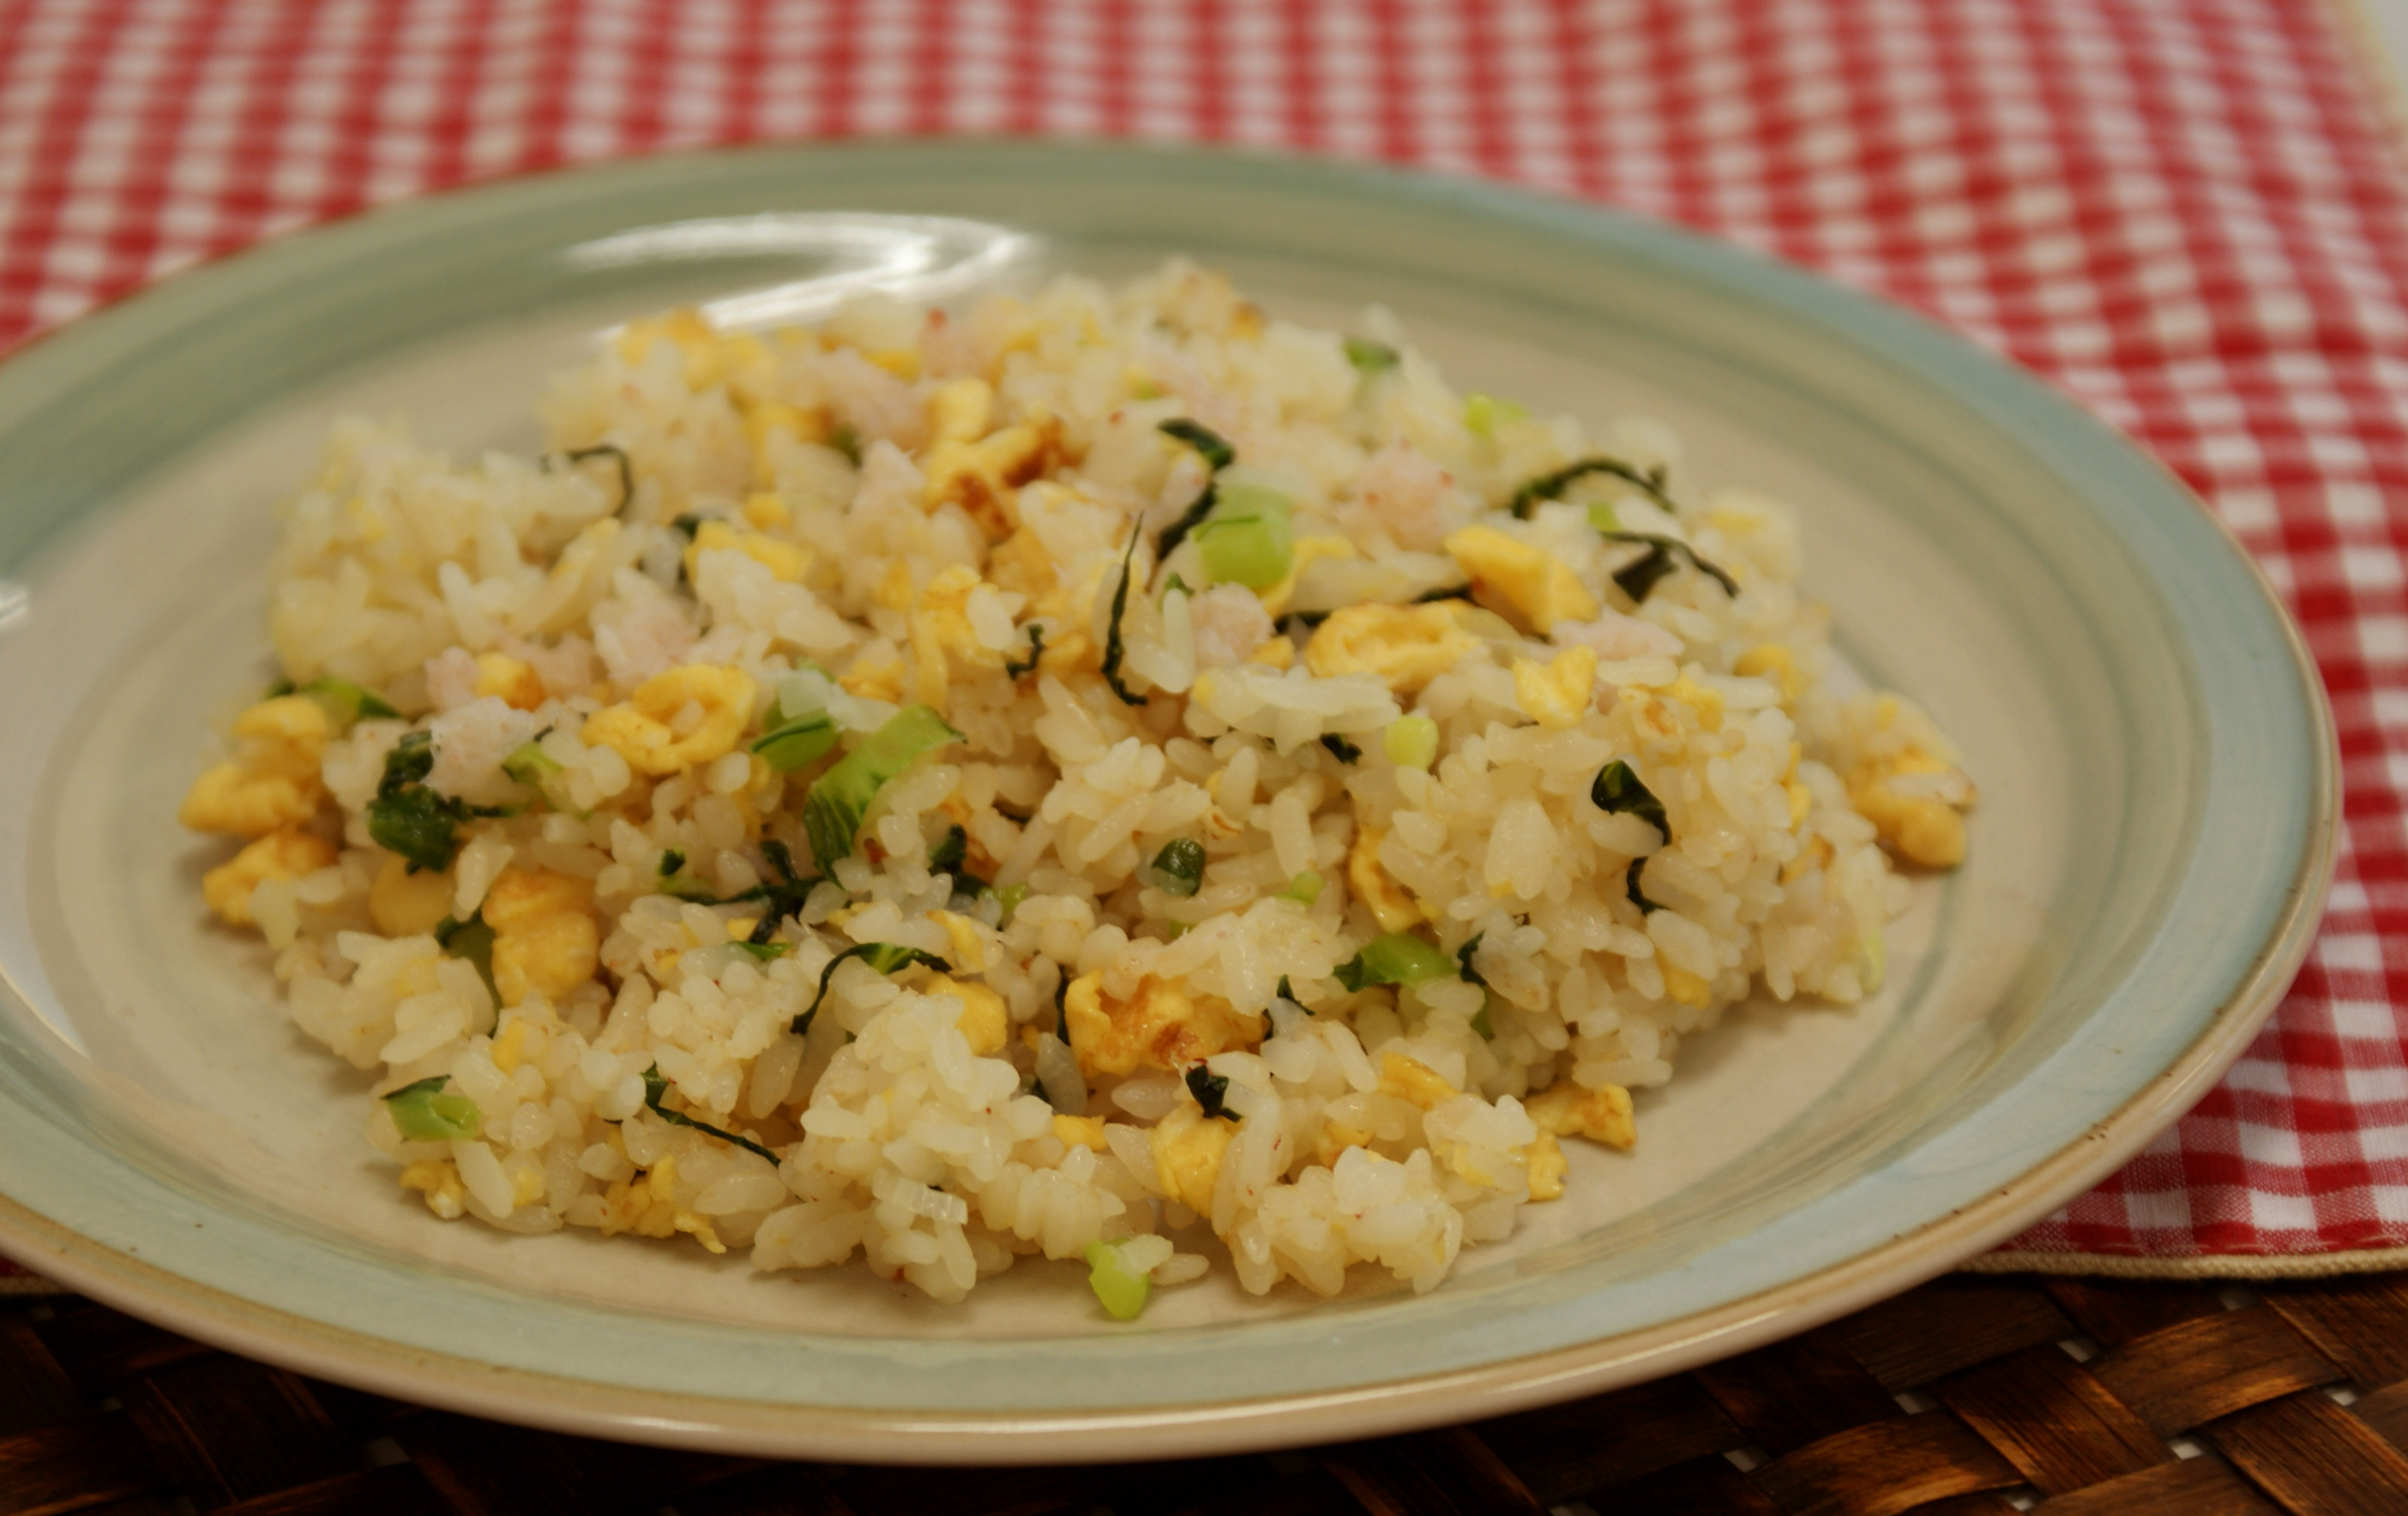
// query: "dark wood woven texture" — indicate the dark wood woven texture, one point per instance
point(1969, 1396)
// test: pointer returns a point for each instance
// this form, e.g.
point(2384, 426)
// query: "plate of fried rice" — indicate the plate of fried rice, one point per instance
point(979, 802)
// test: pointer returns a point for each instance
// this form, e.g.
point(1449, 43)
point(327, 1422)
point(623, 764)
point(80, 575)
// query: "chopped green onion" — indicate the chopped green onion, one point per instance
point(1340, 749)
point(885, 957)
point(671, 861)
point(1304, 889)
point(1209, 1090)
point(1395, 958)
point(1176, 583)
point(947, 855)
point(344, 701)
point(1369, 356)
point(798, 743)
point(1122, 1289)
point(1178, 868)
point(1249, 539)
point(1605, 518)
point(1411, 741)
point(1009, 897)
point(656, 1087)
point(1617, 790)
point(1638, 576)
point(1551, 486)
point(1481, 412)
point(422, 1113)
point(528, 764)
point(838, 799)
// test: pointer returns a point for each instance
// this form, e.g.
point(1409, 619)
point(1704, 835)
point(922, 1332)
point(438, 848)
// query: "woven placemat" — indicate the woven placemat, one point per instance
point(2066, 1396)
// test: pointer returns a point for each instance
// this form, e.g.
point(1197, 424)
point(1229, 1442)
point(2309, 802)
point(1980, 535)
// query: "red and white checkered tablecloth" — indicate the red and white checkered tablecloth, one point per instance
point(2192, 214)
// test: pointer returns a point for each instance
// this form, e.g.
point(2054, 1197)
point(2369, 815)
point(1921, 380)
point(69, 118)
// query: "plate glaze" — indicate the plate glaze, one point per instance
point(2152, 846)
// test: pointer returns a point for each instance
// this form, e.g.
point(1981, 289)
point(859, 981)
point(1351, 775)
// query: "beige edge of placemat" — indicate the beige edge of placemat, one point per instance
point(2362, 35)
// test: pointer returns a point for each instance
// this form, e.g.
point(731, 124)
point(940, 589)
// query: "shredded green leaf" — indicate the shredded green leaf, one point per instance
point(1209, 1090)
point(1113, 651)
point(1640, 576)
point(473, 941)
point(1479, 1024)
point(764, 952)
point(1217, 454)
point(846, 440)
point(687, 525)
point(656, 1087)
point(1463, 970)
point(885, 957)
point(1395, 958)
point(838, 799)
point(1630, 888)
point(1016, 669)
point(424, 1113)
point(1340, 749)
point(1179, 868)
point(618, 456)
point(1617, 790)
point(528, 764)
point(1551, 486)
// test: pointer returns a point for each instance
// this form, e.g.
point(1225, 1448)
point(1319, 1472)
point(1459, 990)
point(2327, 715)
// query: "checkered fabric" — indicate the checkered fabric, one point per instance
point(2189, 213)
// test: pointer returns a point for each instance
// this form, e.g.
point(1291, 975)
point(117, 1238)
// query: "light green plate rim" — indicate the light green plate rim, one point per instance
point(88, 413)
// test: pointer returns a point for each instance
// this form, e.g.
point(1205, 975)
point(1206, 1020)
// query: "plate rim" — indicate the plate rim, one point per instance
point(151, 1292)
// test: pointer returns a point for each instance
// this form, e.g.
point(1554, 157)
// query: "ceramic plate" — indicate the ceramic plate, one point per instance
point(2153, 841)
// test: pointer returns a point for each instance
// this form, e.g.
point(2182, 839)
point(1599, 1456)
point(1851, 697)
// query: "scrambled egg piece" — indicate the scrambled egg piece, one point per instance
point(436, 1180)
point(403, 904)
point(1772, 662)
point(1390, 906)
point(273, 781)
point(764, 511)
point(286, 853)
point(1305, 550)
point(1336, 1138)
point(1557, 693)
point(974, 466)
point(709, 357)
point(875, 681)
point(1656, 716)
point(1414, 1081)
point(1082, 1132)
point(643, 728)
point(941, 631)
point(1547, 1165)
point(1276, 652)
point(509, 680)
point(771, 418)
point(1685, 987)
point(1529, 583)
point(1923, 828)
point(545, 940)
point(983, 1020)
point(1188, 1149)
point(1406, 646)
point(1569, 1110)
point(1159, 1027)
point(785, 560)
point(1020, 562)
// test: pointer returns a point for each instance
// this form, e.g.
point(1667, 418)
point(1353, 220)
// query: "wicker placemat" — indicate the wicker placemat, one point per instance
point(1968, 1396)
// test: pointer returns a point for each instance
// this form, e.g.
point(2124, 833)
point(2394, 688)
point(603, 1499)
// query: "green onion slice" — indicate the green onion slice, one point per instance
point(838, 799)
